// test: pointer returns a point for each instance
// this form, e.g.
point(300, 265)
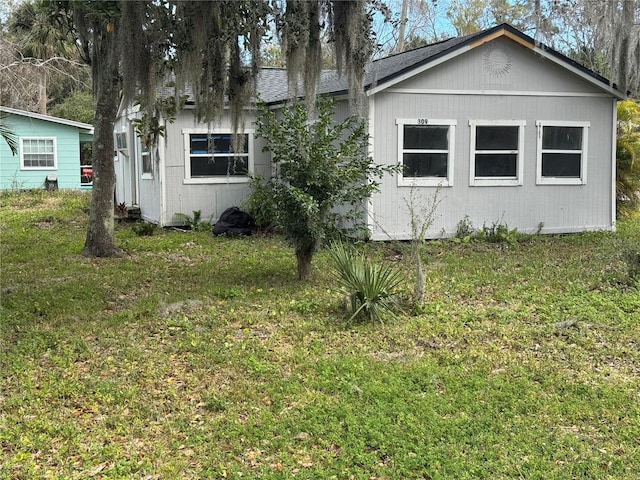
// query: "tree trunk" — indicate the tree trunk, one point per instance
point(42, 92)
point(402, 28)
point(304, 264)
point(100, 240)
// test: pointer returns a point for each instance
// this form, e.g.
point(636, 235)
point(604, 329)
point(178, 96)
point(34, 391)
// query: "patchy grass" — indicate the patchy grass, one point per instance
point(202, 357)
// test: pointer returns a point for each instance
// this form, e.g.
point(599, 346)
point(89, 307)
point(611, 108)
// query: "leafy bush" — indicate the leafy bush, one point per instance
point(372, 287)
point(260, 203)
point(322, 175)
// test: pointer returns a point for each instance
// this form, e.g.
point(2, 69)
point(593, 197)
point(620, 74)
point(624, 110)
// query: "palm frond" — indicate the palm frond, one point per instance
point(8, 134)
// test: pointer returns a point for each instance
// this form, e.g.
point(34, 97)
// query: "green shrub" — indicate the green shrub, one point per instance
point(260, 203)
point(498, 233)
point(143, 229)
point(372, 287)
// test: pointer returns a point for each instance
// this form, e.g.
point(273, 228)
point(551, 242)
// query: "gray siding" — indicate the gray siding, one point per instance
point(561, 208)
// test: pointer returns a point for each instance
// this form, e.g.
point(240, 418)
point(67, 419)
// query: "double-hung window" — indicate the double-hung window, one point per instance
point(562, 153)
point(425, 151)
point(38, 153)
point(210, 157)
point(496, 152)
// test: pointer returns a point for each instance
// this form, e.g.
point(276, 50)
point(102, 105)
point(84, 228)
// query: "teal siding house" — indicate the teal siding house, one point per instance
point(52, 152)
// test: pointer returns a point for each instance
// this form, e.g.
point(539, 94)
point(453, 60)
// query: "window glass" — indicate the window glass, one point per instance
point(561, 164)
point(426, 137)
point(218, 166)
point(562, 138)
point(425, 164)
point(496, 165)
point(500, 137)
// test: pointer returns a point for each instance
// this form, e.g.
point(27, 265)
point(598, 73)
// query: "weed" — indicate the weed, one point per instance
point(194, 222)
point(121, 208)
point(464, 228)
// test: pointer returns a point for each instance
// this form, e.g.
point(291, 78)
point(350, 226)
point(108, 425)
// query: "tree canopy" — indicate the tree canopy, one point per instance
point(214, 47)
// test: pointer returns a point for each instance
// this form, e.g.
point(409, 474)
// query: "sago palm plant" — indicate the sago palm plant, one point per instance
point(372, 287)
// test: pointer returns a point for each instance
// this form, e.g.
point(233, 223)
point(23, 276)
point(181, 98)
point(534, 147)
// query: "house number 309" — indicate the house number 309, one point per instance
point(423, 121)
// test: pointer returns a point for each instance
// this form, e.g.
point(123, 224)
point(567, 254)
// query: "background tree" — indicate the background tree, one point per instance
point(323, 175)
point(49, 53)
point(78, 106)
point(628, 158)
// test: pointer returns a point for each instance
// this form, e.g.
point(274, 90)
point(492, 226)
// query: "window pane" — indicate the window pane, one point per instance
point(499, 137)
point(146, 163)
point(427, 137)
point(425, 164)
point(562, 138)
point(200, 143)
point(218, 166)
point(561, 165)
point(496, 165)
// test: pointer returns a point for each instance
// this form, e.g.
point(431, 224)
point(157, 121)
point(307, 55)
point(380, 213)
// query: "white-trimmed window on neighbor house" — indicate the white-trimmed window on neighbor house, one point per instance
point(562, 153)
point(426, 151)
point(210, 157)
point(38, 153)
point(496, 152)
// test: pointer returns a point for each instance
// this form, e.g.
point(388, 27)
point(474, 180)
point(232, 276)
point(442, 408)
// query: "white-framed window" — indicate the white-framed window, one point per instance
point(147, 165)
point(562, 153)
point(426, 151)
point(209, 157)
point(496, 152)
point(121, 143)
point(38, 153)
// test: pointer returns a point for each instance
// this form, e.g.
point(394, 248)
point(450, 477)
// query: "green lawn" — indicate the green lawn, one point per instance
point(202, 357)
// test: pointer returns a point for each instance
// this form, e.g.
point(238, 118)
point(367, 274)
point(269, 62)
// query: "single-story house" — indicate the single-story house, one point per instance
point(502, 128)
point(48, 147)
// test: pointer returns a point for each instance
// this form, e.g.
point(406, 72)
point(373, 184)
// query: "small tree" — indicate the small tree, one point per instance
point(323, 174)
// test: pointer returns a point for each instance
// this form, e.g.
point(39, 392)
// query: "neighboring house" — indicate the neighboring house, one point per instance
point(48, 147)
point(504, 129)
